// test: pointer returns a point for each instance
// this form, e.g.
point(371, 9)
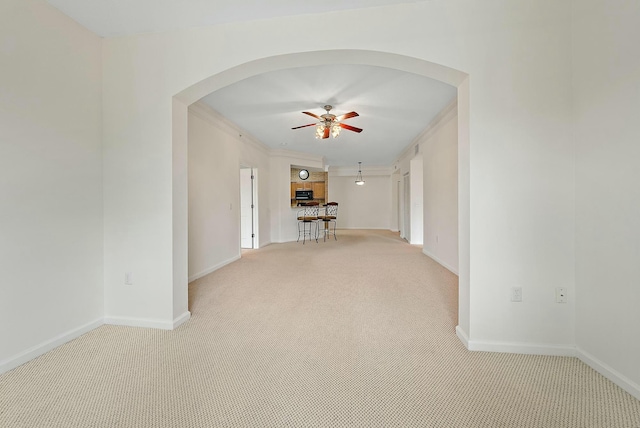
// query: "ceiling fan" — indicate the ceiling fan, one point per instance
point(330, 124)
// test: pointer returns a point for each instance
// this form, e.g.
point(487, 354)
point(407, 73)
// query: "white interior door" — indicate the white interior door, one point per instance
point(247, 233)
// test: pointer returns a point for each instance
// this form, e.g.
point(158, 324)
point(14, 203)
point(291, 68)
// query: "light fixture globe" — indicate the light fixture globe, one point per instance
point(359, 180)
point(335, 130)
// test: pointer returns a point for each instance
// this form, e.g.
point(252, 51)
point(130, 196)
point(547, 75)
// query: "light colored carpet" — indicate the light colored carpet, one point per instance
point(353, 333)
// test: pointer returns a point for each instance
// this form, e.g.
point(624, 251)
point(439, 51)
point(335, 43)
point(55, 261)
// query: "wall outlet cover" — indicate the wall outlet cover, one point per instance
point(516, 294)
point(561, 295)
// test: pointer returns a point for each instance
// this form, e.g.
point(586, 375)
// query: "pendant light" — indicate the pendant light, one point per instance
point(359, 180)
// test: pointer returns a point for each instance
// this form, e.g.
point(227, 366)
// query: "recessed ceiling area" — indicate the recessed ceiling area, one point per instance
point(394, 108)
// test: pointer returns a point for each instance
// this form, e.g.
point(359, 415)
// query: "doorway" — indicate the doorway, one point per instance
point(419, 66)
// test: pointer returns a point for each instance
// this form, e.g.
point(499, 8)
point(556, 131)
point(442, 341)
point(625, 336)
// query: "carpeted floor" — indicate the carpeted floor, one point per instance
point(354, 333)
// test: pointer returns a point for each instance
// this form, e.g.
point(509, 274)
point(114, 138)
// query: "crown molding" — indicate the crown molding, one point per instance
point(213, 117)
point(446, 114)
point(298, 156)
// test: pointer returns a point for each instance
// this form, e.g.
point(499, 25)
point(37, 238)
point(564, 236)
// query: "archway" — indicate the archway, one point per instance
point(182, 100)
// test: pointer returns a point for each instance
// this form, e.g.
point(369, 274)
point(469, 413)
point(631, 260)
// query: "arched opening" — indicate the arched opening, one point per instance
point(182, 100)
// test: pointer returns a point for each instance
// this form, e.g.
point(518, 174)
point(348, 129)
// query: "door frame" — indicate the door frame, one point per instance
point(254, 208)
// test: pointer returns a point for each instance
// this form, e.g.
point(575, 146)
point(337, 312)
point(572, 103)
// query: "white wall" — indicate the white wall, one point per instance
point(362, 207)
point(51, 180)
point(216, 151)
point(416, 189)
point(214, 197)
point(606, 106)
point(439, 148)
point(521, 177)
point(396, 179)
point(521, 160)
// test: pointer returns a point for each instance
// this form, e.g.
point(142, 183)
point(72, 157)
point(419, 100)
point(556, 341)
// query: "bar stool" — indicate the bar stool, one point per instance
point(307, 220)
point(330, 216)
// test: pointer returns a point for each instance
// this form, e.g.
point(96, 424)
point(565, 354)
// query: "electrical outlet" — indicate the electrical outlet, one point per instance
point(516, 294)
point(561, 295)
point(128, 278)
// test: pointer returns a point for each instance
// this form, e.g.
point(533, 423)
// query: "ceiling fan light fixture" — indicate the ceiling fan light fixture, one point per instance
point(359, 180)
point(330, 125)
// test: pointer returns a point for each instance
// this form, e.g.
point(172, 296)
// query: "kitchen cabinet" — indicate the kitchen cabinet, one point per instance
point(317, 182)
point(318, 188)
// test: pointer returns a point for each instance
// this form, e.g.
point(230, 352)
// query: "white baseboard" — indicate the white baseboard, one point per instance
point(522, 348)
point(440, 262)
point(146, 323)
point(462, 336)
point(514, 347)
point(35, 351)
point(555, 350)
point(181, 319)
point(608, 372)
point(212, 268)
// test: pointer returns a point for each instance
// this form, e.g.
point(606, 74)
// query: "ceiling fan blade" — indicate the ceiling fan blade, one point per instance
point(350, 128)
point(304, 126)
point(347, 116)
point(312, 115)
point(326, 133)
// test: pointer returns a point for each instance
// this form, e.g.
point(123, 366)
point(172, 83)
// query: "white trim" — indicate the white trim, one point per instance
point(440, 262)
point(522, 348)
point(608, 372)
point(299, 157)
point(213, 117)
point(142, 322)
point(462, 336)
point(446, 114)
point(515, 348)
point(554, 350)
point(35, 351)
point(178, 321)
point(213, 268)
